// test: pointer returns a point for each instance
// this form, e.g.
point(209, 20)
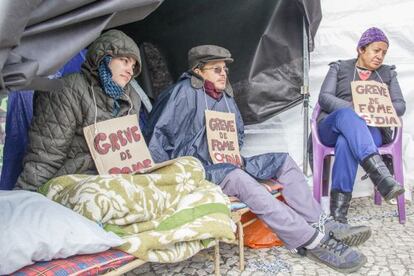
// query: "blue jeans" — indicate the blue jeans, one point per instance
point(353, 141)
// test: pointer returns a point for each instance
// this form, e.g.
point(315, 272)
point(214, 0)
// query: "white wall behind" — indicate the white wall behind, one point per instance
point(337, 37)
point(342, 24)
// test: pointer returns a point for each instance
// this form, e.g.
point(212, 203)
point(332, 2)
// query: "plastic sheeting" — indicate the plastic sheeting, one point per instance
point(337, 37)
point(264, 37)
point(39, 37)
point(19, 116)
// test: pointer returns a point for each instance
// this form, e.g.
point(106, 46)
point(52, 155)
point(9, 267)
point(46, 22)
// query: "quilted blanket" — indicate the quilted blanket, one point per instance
point(164, 216)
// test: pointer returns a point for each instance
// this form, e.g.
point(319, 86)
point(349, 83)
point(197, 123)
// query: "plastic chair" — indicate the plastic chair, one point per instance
point(321, 160)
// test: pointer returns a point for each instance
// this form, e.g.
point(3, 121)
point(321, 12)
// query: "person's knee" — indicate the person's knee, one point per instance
point(346, 112)
point(289, 159)
point(289, 164)
point(291, 174)
point(348, 116)
point(376, 136)
point(237, 180)
point(237, 174)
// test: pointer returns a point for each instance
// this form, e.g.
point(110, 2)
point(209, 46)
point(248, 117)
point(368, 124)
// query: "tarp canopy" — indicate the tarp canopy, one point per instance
point(265, 37)
point(38, 37)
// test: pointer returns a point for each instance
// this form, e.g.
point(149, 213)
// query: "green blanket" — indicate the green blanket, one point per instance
point(165, 216)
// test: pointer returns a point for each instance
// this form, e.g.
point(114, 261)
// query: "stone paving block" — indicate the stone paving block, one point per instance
point(390, 250)
point(395, 267)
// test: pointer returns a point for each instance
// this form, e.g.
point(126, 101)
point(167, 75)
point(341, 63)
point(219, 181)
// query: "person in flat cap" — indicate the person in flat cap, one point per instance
point(356, 139)
point(199, 117)
point(98, 108)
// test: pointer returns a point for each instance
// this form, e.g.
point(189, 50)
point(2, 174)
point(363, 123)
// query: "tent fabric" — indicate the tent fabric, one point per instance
point(39, 37)
point(337, 38)
point(312, 11)
point(264, 37)
point(19, 117)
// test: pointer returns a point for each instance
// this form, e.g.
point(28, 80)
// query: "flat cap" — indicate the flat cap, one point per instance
point(206, 53)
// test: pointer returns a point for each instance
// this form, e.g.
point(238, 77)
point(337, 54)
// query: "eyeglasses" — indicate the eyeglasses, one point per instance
point(218, 69)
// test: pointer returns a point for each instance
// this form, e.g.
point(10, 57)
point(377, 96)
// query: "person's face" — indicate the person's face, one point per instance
point(122, 69)
point(216, 72)
point(373, 55)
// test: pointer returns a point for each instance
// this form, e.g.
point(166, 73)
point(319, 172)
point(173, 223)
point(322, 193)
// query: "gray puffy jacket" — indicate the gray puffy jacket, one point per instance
point(56, 142)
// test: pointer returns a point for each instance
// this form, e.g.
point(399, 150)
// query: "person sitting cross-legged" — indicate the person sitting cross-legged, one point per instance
point(341, 127)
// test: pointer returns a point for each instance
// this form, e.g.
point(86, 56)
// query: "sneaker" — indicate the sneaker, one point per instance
point(337, 255)
point(350, 235)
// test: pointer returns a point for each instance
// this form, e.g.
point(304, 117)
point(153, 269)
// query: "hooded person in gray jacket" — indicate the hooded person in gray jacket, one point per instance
point(179, 128)
point(101, 91)
point(341, 127)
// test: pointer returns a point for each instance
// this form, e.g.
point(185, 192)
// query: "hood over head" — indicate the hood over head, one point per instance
point(116, 44)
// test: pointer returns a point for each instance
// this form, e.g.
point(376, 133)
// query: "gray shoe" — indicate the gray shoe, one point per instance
point(350, 235)
point(337, 255)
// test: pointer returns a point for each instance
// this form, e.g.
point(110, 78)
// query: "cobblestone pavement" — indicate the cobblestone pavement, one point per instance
point(390, 251)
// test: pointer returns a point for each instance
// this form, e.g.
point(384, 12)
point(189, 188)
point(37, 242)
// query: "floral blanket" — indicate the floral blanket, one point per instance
point(165, 216)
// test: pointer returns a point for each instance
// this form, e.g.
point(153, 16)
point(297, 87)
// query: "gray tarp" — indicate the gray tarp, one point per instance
point(38, 37)
point(265, 38)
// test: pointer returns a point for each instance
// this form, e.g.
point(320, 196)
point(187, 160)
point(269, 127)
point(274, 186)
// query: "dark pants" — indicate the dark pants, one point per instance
point(353, 141)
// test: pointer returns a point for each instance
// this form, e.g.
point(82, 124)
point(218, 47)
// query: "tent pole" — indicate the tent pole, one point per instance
point(305, 93)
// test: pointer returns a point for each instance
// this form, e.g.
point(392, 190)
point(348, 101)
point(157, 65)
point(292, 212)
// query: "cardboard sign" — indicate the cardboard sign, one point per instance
point(372, 102)
point(222, 140)
point(118, 146)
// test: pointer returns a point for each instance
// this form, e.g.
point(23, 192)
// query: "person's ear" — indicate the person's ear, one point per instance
point(361, 51)
point(197, 71)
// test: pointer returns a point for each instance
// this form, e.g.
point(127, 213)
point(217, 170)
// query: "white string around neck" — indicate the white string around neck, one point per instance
point(96, 108)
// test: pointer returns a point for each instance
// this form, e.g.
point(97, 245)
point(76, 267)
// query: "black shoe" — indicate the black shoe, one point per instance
point(381, 177)
point(337, 255)
point(339, 205)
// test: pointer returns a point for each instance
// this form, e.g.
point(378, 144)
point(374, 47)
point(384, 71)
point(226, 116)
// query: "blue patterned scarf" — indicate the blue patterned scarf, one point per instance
point(111, 88)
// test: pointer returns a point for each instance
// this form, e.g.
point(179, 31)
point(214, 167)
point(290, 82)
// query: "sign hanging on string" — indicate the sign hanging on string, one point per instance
point(223, 143)
point(372, 102)
point(118, 146)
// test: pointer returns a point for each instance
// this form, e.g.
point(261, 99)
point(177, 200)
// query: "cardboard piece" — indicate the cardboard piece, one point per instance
point(372, 102)
point(118, 146)
point(223, 143)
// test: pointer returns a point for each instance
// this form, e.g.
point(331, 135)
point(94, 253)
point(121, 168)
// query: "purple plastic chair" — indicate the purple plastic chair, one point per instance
point(321, 160)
